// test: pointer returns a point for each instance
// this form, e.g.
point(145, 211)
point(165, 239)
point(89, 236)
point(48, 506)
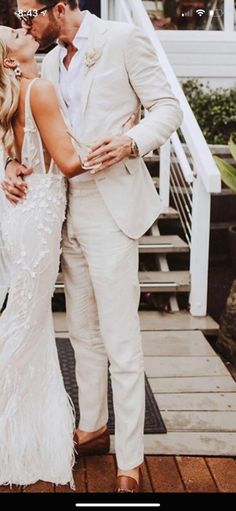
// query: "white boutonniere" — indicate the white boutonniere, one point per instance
point(91, 56)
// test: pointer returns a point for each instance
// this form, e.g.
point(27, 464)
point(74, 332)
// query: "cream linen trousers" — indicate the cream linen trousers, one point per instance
point(100, 267)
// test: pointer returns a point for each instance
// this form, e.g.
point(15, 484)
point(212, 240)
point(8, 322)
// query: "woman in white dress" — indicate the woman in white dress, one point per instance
point(36, 415)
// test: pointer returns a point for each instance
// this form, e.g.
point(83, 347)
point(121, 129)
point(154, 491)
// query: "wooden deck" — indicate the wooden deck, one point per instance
point(197, 397)
point(193, 388)
point(162, 474)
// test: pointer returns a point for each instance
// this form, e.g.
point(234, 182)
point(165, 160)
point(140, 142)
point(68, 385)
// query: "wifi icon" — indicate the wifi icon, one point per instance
point(200, 12)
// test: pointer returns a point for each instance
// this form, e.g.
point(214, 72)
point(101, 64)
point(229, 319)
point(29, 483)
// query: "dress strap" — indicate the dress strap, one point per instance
point(28, 112)
point(31, 130)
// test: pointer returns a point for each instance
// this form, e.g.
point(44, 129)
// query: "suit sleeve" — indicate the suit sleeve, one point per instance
point(153, 90)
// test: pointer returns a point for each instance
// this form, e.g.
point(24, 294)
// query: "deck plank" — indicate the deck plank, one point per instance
point(200, 402)
point(191, 443)
point(63, 488)
point(14, 489)
point(158, 321)
point(179, 343)
point(101, 474)
point(224, 473)
point(200, 421)
point(164, 474)
point(80, 476)
point(184, 366)
point(39, 487)
point(147, 484)
point(196, 475)
point(193, 384)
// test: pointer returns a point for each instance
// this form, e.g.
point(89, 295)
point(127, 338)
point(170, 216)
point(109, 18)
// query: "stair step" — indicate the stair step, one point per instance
point(157, 322)
point(221, 226)
point(162, 244)
point(152, 281)
point(155, 158)
point(165, 282)
point(169, 213)
point(152, 158)
point(225, 192)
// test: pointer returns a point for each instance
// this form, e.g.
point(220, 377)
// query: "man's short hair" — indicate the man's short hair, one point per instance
point(73, 4)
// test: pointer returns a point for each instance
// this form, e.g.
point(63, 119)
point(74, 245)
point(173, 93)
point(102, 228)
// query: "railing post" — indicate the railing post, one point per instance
point(118, 12)
point(165, 174)
point(229, 15)
point(199, 248)
point(104, 9)
point(110, 9)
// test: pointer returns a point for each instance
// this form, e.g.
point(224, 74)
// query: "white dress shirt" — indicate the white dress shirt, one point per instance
point(70, 80)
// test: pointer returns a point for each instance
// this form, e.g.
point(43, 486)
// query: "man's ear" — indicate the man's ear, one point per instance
point(10, 63)
point(60, 8)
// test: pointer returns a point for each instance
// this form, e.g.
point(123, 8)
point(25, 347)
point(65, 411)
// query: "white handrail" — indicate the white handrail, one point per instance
point(104, 9)
point(126, 12)
point(228, 18)
point(193, 135)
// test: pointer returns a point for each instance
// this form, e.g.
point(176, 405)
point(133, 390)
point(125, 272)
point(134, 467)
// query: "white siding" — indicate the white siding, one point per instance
point(207, 60)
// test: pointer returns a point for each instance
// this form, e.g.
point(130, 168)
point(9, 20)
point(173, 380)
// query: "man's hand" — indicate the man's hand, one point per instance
point(13, 185)
point(107, 152)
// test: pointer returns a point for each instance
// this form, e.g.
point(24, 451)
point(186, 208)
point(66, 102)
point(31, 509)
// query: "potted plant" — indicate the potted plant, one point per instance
point(215, 111)
point(226, 342)
point(228, 175)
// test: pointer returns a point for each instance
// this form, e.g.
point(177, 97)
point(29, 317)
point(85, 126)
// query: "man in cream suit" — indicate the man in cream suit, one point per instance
point(103, 72)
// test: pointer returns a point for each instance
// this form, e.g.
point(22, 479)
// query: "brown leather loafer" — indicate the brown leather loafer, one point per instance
point(127, 484)
point(94, 447)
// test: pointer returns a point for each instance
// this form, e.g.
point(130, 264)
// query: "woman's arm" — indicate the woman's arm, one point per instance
point(53, 130)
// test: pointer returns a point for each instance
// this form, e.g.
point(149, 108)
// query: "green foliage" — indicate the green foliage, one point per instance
point(228, 172)
point(215, 110)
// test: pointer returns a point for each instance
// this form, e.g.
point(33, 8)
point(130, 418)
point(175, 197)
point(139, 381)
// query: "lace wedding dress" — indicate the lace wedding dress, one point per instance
point(36, 415)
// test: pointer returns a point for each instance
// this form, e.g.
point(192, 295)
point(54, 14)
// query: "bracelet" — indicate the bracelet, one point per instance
point(9, 160)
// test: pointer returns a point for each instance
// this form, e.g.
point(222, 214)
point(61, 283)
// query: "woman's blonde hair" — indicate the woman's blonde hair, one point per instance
point(9, 98)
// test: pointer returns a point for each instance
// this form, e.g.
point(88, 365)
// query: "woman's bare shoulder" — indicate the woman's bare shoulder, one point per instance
point(43, 94)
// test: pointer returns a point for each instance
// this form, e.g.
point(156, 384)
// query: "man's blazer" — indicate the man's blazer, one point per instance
point(121, 73)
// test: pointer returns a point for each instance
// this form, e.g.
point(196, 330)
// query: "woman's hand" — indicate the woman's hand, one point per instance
point(111, 150)
point(13, 185)
point(108, 152)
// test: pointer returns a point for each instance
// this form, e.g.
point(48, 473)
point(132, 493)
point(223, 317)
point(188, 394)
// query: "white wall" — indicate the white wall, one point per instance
point(208, 60)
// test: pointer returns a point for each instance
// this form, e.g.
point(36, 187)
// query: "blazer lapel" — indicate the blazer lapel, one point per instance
point(55, 79)
point(96, 42)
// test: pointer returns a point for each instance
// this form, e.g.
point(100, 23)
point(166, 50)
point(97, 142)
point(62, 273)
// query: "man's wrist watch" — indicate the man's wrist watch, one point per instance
point(134, 149)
